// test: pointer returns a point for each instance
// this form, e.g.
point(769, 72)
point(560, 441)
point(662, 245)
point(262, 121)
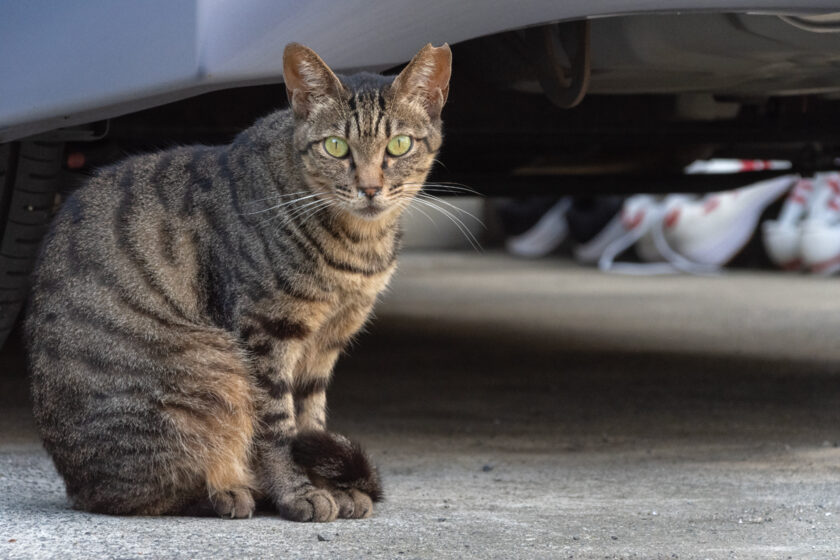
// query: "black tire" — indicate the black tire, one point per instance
point(30, 173)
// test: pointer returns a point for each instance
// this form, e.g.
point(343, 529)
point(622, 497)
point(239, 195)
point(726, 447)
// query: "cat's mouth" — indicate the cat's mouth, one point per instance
point(370, 210)
point(368, 207)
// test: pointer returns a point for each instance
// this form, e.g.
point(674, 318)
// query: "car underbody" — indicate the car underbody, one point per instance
point(618, 104)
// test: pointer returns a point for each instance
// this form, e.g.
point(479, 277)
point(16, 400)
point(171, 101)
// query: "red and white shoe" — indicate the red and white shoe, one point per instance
point(652, 247)
point(617, 228)
point(682, 233)
point(643, 219)
point(713, 230)
point(783, 236)
point(820, 241)
point(638, 216)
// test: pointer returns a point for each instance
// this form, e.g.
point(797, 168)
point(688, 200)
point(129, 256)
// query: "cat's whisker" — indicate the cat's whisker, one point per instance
point(308, 210)
point(289, 203)
point(458, 189)
point(273, 197)
point(462, 227)
point(276, 206)
point(450, 205)
point(451, 183)
point(412, 208)
point(293, 212)
point(314, 211)
point(295, 216)
point(282, 216)
point(446, 187)
point(458, 224)
point(449, 190)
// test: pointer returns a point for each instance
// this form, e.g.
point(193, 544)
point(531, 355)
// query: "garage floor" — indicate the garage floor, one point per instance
point(537, 410)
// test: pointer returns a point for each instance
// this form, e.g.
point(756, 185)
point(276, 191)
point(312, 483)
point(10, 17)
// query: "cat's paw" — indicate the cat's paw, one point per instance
point(352, 504)
point(332, 460)
point(314, 504)
point(236, 503)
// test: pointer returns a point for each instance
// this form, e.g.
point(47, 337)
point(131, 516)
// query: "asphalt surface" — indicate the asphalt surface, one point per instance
point(535, 410)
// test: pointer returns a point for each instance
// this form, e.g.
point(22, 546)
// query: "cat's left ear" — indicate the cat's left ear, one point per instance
point(427, 78)
point(308, 79)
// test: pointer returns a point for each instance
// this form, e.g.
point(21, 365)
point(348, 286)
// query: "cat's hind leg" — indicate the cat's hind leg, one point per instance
point(150, 431)
point(212, 409)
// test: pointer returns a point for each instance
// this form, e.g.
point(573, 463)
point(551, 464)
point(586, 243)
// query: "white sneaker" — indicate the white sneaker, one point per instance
point(617, 228)
point(641, 219)
point(648, 247)
point(711, 231)
point(544, 236)
point(782, 236)
point(684, 234)
point(820, 238)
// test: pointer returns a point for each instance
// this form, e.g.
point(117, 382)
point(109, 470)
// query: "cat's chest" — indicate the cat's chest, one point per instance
point(355, 295)
point(350, 287)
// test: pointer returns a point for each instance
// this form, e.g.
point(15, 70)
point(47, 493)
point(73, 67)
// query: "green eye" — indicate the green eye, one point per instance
point(399, 145)
point(336, 146)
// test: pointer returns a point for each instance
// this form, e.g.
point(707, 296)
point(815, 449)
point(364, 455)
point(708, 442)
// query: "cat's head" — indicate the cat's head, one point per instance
point(367, 142)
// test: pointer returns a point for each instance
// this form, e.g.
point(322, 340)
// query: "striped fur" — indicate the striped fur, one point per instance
point(189, 305)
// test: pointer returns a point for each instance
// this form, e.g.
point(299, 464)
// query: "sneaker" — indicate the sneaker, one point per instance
point(640, 218)
point(683, 233)
point(782, 236)
point(546, 235)
point(713, 230)
point(648, 247)
point(820, 232)
point(594, 223)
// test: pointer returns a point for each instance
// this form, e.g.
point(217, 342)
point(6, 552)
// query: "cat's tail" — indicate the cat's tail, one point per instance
point(341, 462)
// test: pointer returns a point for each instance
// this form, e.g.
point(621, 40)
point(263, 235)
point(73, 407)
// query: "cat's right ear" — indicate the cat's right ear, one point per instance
point(308, 79)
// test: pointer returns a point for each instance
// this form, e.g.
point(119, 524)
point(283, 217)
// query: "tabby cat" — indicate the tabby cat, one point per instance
point(189, 305)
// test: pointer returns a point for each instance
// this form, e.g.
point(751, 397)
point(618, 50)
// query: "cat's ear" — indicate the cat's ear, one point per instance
point(427, 78)
point(308, 79)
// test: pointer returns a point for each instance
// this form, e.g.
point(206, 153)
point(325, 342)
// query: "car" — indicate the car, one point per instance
point(547, 97)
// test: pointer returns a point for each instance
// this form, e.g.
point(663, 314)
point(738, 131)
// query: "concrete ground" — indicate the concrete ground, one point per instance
point(536, 410)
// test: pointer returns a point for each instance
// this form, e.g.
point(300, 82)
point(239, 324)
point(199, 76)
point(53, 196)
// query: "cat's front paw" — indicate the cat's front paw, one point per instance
point(311, 504)
point(352, 503)
point(236, 503)
point(340, 466)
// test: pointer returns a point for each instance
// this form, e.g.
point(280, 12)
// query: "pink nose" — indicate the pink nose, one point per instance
point(370, 192)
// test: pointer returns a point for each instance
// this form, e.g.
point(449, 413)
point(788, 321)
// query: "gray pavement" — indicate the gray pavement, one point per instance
point(536, 410)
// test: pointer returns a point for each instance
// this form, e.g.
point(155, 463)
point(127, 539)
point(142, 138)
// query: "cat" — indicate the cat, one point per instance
point(189, 305)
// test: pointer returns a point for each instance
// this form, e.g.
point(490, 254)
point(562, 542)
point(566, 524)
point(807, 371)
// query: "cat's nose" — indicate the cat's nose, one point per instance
point(369, 192)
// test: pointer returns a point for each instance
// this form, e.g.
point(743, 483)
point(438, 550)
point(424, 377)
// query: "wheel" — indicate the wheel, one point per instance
point(30, 172)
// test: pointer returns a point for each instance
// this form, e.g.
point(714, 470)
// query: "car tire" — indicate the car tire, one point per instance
point(30, 174)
